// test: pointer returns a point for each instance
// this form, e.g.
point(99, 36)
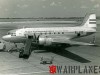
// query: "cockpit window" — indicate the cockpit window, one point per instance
point(11, 33)
point(8, 33)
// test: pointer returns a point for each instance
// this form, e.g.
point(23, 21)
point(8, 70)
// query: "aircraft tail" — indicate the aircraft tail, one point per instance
point(90, 21)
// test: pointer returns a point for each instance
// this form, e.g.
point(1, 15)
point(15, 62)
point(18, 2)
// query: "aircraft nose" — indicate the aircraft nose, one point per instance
point(6, 37)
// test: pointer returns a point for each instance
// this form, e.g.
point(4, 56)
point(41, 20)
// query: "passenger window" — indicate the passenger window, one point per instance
point(62, 32)
point(58, 32)
point(8, 33)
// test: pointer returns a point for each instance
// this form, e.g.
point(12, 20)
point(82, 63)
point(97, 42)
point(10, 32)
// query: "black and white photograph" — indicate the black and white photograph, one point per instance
point(49, 37)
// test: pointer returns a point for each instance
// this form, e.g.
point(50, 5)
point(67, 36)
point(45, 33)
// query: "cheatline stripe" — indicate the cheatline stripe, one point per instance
point(92, 22)
point(92, 19)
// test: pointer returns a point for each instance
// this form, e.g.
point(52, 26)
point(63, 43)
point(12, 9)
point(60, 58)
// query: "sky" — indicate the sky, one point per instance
point(48, 8)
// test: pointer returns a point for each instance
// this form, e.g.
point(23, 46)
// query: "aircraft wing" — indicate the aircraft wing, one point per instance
point(71, 42)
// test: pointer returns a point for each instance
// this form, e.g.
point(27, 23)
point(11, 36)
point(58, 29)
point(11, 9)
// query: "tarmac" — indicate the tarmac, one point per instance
point(82, 56)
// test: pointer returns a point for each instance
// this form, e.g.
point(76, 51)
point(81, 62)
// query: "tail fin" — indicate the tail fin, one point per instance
point(90, 21)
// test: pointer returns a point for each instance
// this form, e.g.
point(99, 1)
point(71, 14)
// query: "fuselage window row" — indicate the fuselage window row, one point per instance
point(44, 32)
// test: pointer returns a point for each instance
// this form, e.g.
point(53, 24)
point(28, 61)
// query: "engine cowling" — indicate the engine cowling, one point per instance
point(45, 41)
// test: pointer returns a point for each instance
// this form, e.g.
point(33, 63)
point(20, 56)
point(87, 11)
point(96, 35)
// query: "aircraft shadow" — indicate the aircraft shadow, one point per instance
point(66, 54)
point(41, 51)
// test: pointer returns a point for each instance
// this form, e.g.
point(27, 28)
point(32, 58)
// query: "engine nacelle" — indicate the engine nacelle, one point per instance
point(45, 41)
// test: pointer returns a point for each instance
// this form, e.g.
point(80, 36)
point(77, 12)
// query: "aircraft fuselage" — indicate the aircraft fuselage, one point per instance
point(20, 35)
